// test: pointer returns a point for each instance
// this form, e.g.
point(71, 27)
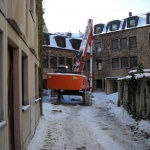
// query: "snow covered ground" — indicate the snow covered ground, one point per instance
point(102, 126)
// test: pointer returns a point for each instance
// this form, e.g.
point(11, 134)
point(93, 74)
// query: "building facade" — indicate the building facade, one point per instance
point(19, 92)
point(61, 49)
point(119, 47)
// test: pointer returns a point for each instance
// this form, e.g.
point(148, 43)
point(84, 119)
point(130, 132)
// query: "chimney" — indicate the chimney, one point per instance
point(130, 14)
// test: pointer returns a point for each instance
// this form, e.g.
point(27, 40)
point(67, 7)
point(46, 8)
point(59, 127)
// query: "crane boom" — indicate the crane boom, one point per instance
point(87, 40)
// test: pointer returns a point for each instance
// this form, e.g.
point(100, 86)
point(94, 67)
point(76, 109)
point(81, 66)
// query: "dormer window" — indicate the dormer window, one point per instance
point(132, 21)
point(98, 28)
point(46, 40)
point(114, 25)
point(61, 41)
point(75, 43)
point(148, 18)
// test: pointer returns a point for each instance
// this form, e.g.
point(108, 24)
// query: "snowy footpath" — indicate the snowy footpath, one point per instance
point(102, 126)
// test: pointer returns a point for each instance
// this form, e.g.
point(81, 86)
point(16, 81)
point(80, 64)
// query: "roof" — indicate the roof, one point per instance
point(123, 24)
point(68, 44)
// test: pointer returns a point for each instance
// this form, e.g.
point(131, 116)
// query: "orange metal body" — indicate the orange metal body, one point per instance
point(64, 81)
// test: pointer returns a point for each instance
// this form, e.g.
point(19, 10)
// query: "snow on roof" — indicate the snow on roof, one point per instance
point(74, 36)
point(141, 22)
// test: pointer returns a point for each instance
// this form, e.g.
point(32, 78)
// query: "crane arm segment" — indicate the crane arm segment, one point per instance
point(87, 40)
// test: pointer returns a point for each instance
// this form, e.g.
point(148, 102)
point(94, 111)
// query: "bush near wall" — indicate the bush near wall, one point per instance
point(134, 93)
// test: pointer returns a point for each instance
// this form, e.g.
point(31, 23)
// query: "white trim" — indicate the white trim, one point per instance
point(37, 100)
point(25, 107)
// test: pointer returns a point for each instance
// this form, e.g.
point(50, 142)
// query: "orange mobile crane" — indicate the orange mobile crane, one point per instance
point(64, 82)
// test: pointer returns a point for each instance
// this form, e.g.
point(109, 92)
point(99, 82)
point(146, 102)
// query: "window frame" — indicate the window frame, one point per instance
point(123, 45)
point(131, 63)
point(124, 66)
point(131, 42)
point(45, 61)
point(113, 67)
point(113, 43)
point(61, 61)
point(99, 64)
point(53, 62)
point(98, 47)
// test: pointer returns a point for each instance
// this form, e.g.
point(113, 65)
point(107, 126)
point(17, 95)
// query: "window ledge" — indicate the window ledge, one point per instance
point(25, 107)
point(2, 123)
point(37, 100)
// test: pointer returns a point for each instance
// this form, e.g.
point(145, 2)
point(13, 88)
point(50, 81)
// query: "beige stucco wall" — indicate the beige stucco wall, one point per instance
point(22, 37)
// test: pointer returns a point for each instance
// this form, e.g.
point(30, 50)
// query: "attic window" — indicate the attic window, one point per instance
point(46, 39)
point(75, 43)
point(61, 42)
point(114, 27)
point(148, 18)
point(132, 23)
point(98, 28)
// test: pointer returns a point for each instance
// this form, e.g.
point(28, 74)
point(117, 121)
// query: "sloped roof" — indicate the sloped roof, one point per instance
point(53, 43)
point(142, 21)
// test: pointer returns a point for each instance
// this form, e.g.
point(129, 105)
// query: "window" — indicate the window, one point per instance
point(61, 60)
point(148, 18)
point(132, 23)
point(115, 63)
point(133, 61)
point(124, 62)
point(123, 43)
point(98, 30)
point(69, 63)
point(46, 40)
point(99, 64)
point(75, 43)
point(45, 61)
point(114, 44)
point(114, 27)
point(132, 42)
point(61, 41)
point(24, 79)
point(53, 62)
point(98, 47)
point(32, 8)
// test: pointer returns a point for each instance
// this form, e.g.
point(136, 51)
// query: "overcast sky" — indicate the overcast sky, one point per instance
point(72, 15)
